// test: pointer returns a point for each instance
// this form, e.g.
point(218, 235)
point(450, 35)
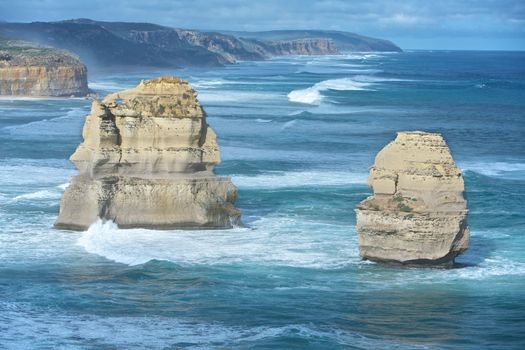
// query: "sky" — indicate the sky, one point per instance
point(412, 24)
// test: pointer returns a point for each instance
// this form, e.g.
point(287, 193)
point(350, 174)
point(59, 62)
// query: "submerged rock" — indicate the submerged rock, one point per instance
point(418, 214)
point(147, 161)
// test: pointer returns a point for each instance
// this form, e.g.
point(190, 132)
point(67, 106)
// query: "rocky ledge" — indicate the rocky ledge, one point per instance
point(30, 70)
point(417, 215)
point(147, 161)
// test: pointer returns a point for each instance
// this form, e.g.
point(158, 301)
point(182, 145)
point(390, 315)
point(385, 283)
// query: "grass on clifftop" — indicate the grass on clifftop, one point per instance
point(20, 52)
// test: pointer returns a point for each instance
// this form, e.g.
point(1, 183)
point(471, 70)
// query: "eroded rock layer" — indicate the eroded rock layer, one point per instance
point(418, 214)
point(27, 69)
point(147, 161)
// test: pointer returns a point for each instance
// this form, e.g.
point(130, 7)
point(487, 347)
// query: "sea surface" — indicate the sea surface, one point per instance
point(297, 135)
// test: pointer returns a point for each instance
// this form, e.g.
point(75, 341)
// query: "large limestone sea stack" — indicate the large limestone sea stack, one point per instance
point(418, 214)
point(147, 161)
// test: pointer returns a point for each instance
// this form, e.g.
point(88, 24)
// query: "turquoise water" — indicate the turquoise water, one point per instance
point(297, 136)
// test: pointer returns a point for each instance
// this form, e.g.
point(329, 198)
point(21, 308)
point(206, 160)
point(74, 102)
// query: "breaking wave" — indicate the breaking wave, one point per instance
point(312, 95)
point(496, 169)
point(53, 193)
point(269, 241)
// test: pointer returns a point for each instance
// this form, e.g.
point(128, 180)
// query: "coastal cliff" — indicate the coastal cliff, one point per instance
point(302, 46)
point(30, 70)
point(418, 214)
point(126, 44)
point(231, 49)
point(147, 161)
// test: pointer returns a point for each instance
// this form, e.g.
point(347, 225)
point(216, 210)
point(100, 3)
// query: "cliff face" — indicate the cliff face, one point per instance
point(417, 214)
point(234, 49)
point(147, 161)
point(231, 49)
point(305, 46)
point(29, 70)
point(343, 41)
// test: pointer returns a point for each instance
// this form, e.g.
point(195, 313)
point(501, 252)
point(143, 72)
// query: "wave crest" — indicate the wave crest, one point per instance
point(312, 95)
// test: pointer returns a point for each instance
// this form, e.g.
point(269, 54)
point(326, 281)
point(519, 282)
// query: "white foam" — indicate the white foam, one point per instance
point(260, 120)
point(279, 179)
point(53, 193)
point(269, 240)
point(312, 95)
point(491, 267)
point(202, 83)
point(43, 194)
point(495, 169)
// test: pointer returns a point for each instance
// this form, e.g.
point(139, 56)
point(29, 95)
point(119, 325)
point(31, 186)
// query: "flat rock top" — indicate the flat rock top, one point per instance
point(15, 53)
point(164, 97)
point(417, 152)
point(165, 85)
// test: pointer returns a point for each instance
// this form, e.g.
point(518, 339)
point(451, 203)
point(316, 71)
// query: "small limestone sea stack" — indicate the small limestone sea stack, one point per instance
point(417, 215)
point(147, 161)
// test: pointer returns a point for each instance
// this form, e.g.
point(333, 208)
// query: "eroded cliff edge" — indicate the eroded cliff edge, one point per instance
point(418, 214)
point(27, 69)
point(147, 161)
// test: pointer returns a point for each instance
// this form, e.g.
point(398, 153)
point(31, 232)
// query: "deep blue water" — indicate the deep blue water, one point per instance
point(297, 135)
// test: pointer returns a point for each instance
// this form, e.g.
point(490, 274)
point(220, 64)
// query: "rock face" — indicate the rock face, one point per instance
point(229, 48)
point(303, 46)
point(417, 214)
point(30, 70)
point(147, 161)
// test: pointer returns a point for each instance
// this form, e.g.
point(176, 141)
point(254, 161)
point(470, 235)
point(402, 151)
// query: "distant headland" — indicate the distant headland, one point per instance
point(111, 45)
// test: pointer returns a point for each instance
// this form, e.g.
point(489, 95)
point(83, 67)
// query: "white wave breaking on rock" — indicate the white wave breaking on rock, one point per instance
point(276, 241)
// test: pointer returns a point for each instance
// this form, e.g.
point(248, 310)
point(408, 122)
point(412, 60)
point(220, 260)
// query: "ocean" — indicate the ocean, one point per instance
point(297, 136)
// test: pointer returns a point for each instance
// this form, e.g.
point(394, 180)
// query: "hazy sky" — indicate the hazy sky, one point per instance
point(432, 24)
